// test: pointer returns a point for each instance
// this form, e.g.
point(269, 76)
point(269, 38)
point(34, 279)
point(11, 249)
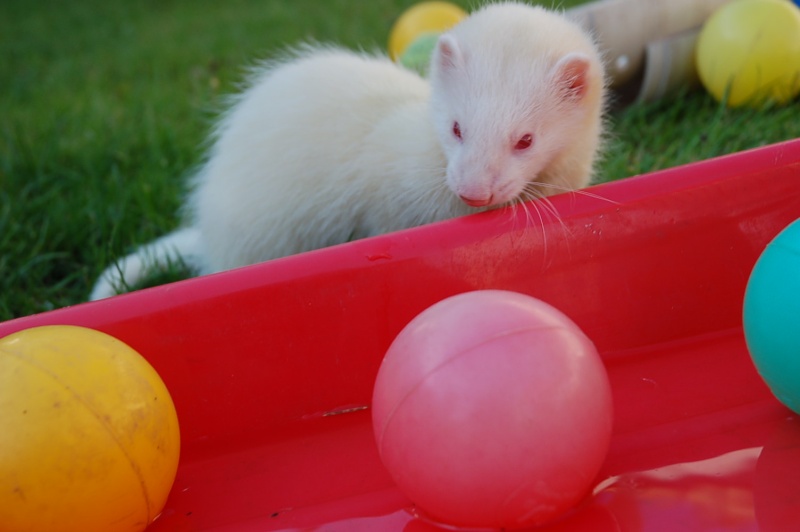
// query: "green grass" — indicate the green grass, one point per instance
point(105, 105)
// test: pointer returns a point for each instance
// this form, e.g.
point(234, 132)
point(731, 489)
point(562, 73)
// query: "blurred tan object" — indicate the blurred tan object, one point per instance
point(648, 44)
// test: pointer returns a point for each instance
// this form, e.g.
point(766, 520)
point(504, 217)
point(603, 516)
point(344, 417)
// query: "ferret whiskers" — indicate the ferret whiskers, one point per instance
point(532, 191)
point(580, 192)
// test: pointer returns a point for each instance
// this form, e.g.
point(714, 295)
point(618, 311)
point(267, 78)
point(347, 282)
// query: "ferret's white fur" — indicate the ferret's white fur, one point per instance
point(333, 145)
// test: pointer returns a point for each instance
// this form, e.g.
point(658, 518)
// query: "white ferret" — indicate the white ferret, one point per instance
point(331, 145)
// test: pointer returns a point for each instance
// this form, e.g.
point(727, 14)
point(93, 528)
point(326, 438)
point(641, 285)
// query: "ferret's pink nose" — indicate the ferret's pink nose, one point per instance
point(476, 202)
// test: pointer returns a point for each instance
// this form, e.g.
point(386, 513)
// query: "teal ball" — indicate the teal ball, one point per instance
point(771, 316)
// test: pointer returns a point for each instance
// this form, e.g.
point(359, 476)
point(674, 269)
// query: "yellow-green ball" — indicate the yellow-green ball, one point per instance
point(749, 51)
point(417, 55)
point(89, 439)
point(425, 17)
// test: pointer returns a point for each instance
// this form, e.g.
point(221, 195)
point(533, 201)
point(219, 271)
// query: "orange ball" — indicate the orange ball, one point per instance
point(90, 438)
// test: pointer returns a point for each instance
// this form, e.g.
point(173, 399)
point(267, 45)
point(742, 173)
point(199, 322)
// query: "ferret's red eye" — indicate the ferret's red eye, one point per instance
point(524, 142)
point(457, 130)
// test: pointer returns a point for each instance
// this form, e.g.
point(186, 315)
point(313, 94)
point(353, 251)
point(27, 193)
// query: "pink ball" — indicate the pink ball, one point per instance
point(492, 409)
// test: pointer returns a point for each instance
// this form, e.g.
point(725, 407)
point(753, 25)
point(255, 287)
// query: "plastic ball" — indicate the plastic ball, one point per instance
point(492, 409)
point(417, 56)
point(90, 438)
point(425, 17)
point(772, 313)
point(749, 52)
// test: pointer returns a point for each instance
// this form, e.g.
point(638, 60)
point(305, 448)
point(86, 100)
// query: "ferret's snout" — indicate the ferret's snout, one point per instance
point(476, 188)
point(477, 202)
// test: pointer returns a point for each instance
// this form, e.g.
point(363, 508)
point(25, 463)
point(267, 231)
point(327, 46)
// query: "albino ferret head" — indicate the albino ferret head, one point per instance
point(516, 99)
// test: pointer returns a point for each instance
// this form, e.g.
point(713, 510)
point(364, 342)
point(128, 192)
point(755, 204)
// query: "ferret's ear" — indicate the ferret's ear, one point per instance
point(448, 53)
point(572, 75)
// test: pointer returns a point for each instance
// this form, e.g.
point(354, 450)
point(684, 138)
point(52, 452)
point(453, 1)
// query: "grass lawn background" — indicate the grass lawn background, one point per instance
point(104, 106)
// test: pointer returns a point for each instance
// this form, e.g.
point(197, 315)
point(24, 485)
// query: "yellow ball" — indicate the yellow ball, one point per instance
point(751, 50)
point(425, 17)
point(89, 438)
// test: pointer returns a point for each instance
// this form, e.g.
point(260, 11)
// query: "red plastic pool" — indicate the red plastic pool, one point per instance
point(271, 367)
